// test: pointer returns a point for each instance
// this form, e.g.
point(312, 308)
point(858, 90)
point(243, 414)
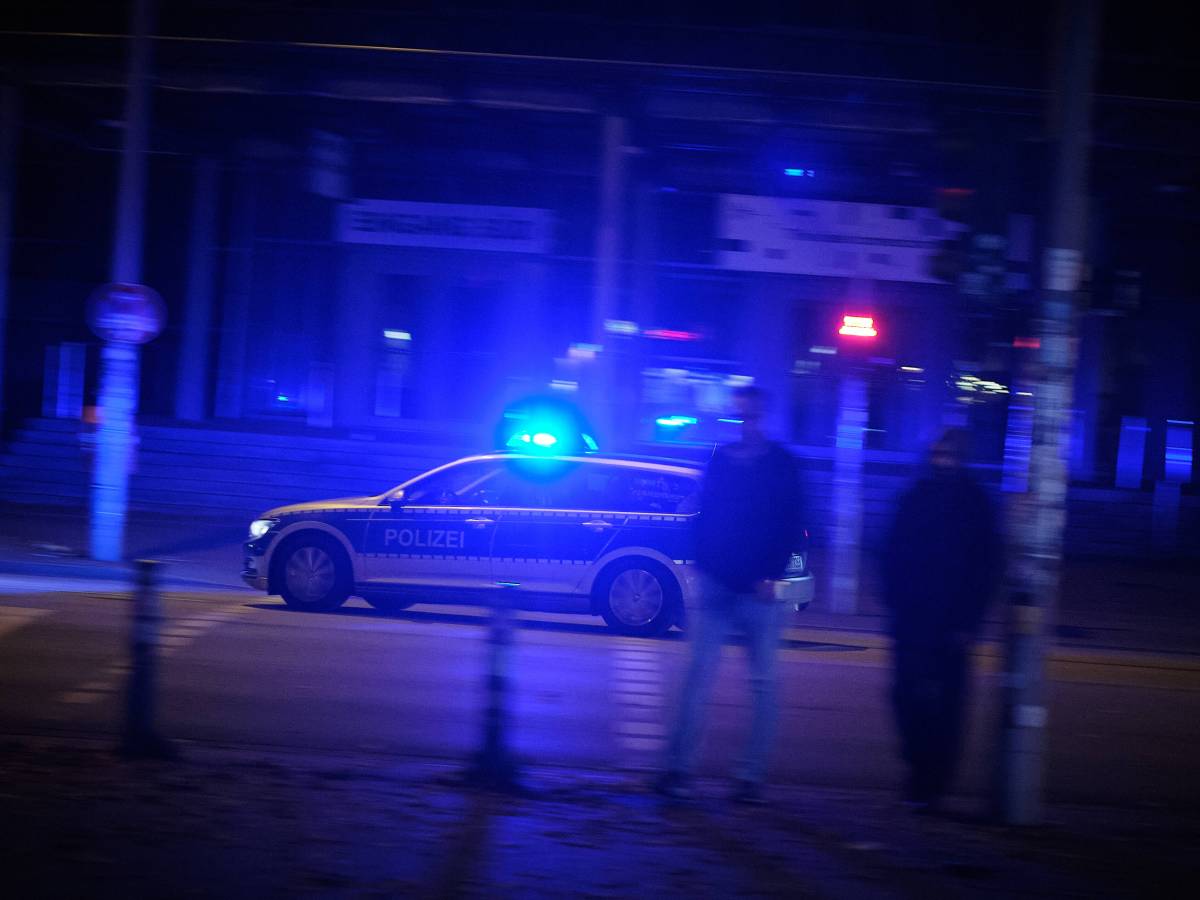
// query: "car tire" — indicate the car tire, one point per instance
point(638, 597)
point(389, 604)
point(313, 573)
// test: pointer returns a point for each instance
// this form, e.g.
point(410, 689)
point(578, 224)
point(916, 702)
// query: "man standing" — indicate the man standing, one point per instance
point(941, 563)
point(748, 525)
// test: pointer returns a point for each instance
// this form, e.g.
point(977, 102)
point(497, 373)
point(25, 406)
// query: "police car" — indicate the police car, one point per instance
point(606, 535)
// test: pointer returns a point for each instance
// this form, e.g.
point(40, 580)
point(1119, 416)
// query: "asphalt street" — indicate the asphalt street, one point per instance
point(240, 669)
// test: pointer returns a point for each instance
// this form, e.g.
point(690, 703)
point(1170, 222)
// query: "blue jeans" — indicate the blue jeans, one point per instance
point(719, 612)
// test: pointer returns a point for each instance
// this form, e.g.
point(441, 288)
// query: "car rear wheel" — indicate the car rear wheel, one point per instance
point(314, 574)
point(638, 597)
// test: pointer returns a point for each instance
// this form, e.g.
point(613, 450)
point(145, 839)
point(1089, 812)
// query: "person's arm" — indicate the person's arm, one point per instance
point(896, 553)
point(787, 529)
point(711, 488)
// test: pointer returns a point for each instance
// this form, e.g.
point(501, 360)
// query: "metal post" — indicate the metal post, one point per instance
point(8, 165)
point(119, 361)
point(141, 737)
point(1022, 714)
point(494, 766)
point(1039, 565)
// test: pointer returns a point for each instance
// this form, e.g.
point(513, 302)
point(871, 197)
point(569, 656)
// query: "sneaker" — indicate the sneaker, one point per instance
point(748, 793)
point(672, 786)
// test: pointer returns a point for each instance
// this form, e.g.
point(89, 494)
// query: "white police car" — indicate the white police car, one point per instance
point(601, 534)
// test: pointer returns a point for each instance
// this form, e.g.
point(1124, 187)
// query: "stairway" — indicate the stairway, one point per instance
point(214, 471)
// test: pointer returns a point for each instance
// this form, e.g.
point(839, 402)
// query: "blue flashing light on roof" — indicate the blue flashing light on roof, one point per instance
point(800, 173)
point(545, 425)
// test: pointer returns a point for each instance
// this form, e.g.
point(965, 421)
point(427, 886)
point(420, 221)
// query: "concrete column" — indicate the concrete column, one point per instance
point(605, 287)
point(356, 342)
point(847, 491)
point(644, 286)
point(606, 283)
point(1088, 376)
point(239, 275)
point(766, 348)
point(9, 129)
point(192, 379)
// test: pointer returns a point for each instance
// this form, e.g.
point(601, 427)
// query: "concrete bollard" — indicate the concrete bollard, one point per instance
point(494, 766)
point(141, 738)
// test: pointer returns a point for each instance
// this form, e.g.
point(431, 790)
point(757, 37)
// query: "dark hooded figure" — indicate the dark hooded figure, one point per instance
point(941, 563)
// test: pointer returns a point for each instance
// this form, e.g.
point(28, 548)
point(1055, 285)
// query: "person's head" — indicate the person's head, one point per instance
point(949, 451)
point(751, 405)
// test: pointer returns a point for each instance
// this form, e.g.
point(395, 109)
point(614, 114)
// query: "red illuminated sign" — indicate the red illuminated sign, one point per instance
point(858, 326)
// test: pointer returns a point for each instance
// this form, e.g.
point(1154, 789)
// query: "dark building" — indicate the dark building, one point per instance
point(639, 213)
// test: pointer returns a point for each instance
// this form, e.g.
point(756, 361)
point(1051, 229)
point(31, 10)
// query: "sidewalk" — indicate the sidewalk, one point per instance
point(227, 821)
point(195, 552)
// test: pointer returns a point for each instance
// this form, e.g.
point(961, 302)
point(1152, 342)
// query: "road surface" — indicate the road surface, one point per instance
point(241, 669)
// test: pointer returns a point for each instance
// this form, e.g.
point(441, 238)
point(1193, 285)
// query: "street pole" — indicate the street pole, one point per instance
point(1039, 531)
point(8, 179)
point(119, 359)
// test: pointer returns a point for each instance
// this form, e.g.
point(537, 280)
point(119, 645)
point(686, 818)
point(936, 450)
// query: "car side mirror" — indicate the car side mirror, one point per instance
point(396, 500)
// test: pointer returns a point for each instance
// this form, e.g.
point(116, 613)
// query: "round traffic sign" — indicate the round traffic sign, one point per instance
point(126, 313)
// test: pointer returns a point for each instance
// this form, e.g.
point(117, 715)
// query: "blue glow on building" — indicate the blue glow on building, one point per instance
point(1178, 455)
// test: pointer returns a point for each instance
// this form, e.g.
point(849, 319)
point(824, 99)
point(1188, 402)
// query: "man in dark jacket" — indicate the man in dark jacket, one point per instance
point(747, 528)
point(942, 560)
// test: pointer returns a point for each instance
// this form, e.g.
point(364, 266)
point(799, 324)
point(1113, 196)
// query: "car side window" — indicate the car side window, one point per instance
point(468, 484)
point(588, 487)
point(628, 489)
point(647, 491)
point(519, 492)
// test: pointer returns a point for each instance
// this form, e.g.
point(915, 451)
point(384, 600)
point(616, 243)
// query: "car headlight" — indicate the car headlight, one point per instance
point(259, 527)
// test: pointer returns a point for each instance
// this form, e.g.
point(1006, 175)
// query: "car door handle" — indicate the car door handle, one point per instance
point(597, 525)
point(480, 522)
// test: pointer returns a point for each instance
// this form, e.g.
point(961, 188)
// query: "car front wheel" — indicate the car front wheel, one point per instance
point(638, 597)
point(314, 574)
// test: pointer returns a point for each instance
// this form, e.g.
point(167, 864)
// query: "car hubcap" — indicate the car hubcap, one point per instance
point(310, 574)
point(636, 597)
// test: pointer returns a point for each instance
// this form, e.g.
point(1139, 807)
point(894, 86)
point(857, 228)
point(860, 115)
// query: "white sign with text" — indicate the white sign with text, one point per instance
point(829, 237)
point(452, 226)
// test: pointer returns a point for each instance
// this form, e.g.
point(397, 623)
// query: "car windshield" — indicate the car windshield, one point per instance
point(457, 485)
point(541, 484)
